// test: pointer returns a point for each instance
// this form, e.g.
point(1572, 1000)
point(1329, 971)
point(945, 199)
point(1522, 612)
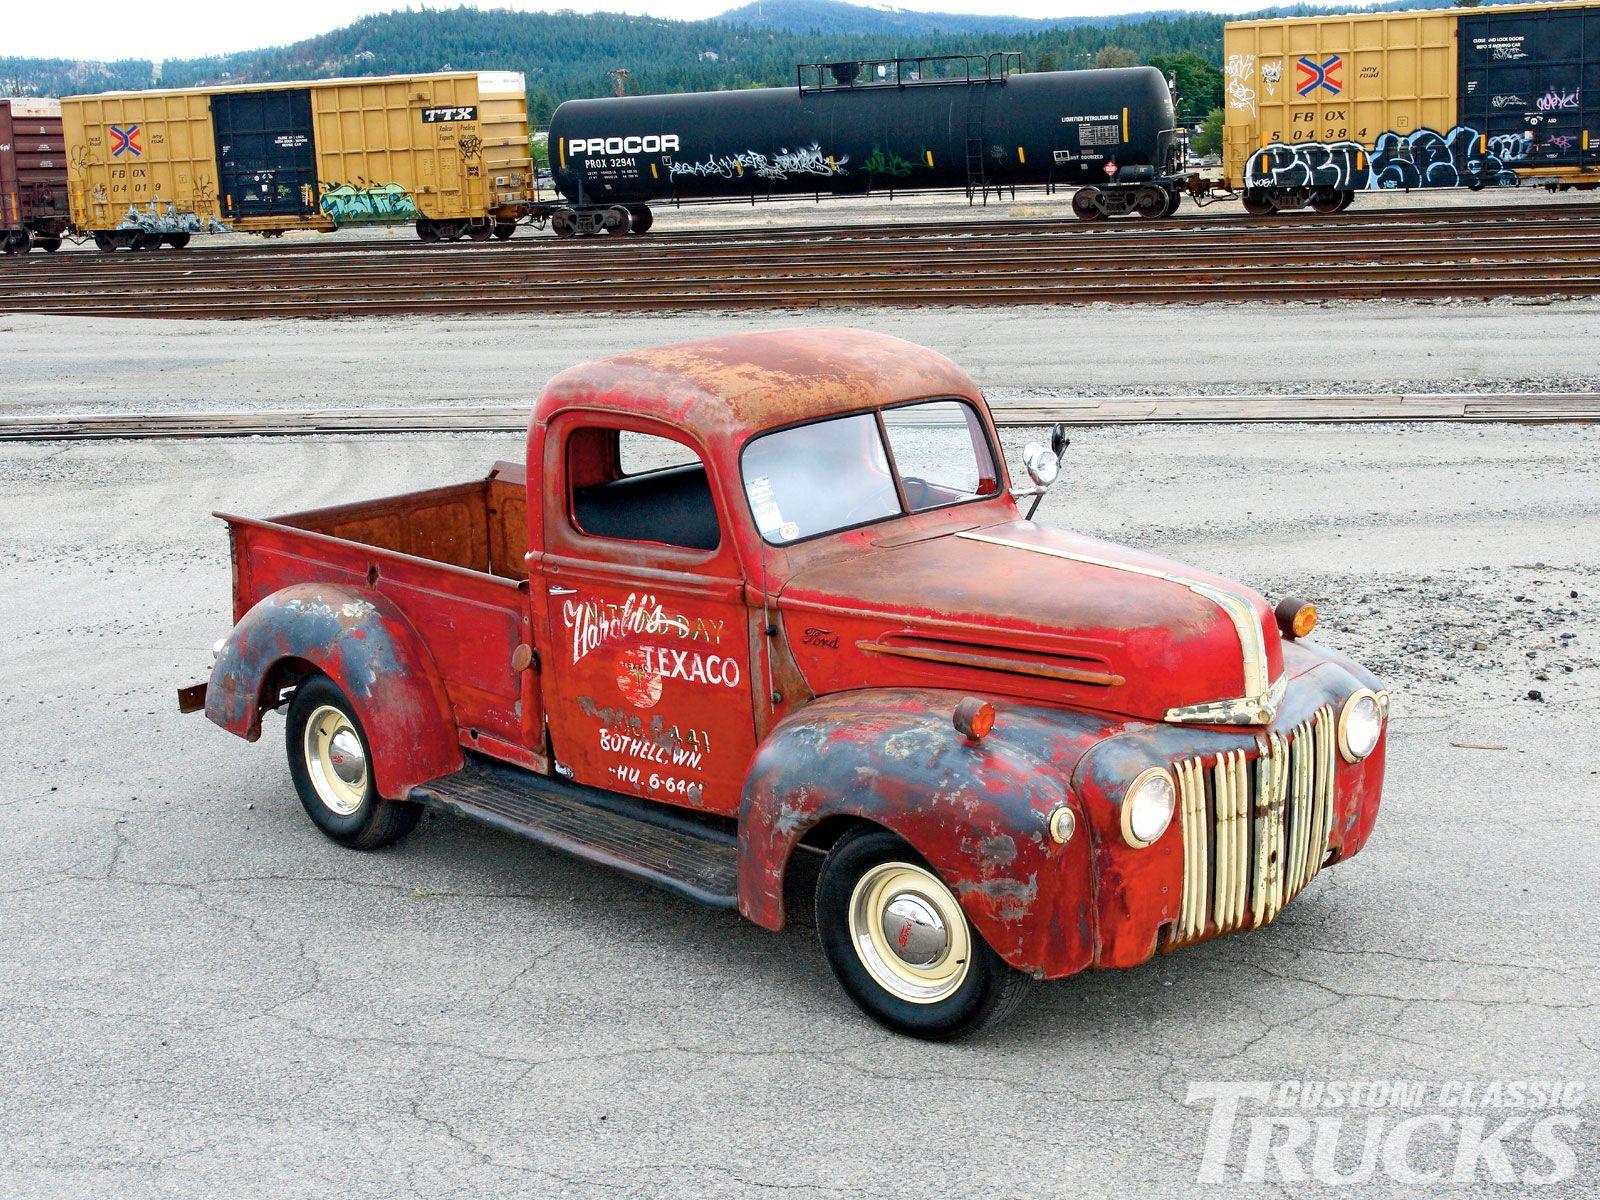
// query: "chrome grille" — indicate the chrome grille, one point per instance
point(1255, 828)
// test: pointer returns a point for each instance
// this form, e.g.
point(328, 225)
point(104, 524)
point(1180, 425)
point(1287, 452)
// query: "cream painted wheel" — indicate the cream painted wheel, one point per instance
point(910, 933)
point(336, 760)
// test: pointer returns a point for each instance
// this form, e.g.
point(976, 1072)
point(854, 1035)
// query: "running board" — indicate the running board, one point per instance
point(637, 837)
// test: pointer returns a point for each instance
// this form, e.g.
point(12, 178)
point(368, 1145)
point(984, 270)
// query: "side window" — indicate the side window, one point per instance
point(638, 487)
point(941, 452)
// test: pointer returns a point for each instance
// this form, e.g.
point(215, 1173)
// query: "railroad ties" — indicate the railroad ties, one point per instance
point(1468, 251)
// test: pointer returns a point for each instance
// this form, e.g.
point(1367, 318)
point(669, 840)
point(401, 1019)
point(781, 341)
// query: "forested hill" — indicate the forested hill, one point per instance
point(566, 54)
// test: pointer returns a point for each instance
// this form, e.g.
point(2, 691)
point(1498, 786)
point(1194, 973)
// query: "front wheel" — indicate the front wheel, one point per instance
point(330, 760)
point(900, 945)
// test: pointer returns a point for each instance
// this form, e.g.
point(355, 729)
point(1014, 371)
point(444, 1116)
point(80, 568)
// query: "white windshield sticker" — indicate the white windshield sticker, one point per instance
point(769, 519)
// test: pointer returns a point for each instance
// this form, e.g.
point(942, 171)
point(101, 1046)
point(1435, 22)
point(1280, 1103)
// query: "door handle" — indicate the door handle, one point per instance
point(555, 590)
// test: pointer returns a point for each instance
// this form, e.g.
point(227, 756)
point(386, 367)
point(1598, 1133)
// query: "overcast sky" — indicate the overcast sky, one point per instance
point(175, 29)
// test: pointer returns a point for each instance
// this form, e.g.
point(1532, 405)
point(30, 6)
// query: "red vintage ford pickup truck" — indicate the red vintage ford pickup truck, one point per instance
point(771, 594)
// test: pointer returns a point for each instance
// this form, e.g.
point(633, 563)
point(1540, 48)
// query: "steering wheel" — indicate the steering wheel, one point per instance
point(873, 501)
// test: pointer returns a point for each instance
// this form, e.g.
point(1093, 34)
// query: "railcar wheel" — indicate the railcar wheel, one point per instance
point(1086, 204)
point(427, 230)
point(1174, 202)
point(480, 233)
point(505, 229)
point(1326, 200)
point(1346, 199)
point(643, 218)
point(617, 220)
point(1150, 201)
point(564, 223)
point(1259, 202)
point(19, 242)
point(49, 244)
point(104, 241)
point(147, 241)
point(900, 945)
point(331, 762)
point(177, 240)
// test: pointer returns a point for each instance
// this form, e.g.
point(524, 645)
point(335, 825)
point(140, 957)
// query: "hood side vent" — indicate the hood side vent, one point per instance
point(982, 656)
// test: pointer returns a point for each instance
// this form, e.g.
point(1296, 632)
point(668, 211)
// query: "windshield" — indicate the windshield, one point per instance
point(840, 473)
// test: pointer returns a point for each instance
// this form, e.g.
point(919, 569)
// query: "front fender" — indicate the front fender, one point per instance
point(364, 643)
point(977, 812)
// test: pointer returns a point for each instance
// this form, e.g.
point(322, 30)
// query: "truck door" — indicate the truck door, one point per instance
point(648, 683)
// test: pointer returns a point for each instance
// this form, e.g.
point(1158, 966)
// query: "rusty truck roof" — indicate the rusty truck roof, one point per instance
point(728, 387)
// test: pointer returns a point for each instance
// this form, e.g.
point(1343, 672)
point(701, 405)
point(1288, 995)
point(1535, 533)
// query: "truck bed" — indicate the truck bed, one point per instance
point(452, 559)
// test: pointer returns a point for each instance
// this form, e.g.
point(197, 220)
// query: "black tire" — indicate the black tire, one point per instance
point(989, 991)
point(1326, 200)
point(372, 823)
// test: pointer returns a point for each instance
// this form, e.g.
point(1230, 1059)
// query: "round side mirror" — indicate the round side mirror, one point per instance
point(1041, 463)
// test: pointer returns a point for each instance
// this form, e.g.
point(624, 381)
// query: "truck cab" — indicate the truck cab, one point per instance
point(770, 595)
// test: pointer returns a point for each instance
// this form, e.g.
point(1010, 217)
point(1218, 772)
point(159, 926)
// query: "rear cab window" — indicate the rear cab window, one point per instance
point(848, 471)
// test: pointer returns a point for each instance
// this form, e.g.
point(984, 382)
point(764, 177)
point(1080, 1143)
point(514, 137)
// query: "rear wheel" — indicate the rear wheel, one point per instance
point(1174, 200)
point(1326, 200)
point(1346, 199)
point(331, 762)
point(902, 948)
point(1150, 201)
point(1086, 204)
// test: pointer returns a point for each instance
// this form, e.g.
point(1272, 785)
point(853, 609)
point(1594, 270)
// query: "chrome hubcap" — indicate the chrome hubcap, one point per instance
point(336, 760)
point(910, 933)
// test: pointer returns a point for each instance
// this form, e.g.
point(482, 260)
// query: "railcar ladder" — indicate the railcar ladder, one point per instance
point(977, 171)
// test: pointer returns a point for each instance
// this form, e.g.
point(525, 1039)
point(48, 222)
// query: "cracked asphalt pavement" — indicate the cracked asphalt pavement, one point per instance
point(202, 996)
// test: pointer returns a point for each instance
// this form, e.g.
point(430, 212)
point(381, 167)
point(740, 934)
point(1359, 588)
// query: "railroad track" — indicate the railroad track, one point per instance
point(1479, 252)
point(1573, 407)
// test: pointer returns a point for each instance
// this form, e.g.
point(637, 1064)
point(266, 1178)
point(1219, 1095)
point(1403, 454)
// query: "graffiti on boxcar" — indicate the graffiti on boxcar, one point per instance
point(1423, 158)
point(808, 160)
point(1556, 100)
point(1271, 73)
point(367, 203)
point(1239, 74)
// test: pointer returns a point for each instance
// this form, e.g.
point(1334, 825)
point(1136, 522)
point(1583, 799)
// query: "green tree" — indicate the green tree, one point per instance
point(1198, 82)
point(1116, 56)
point(1045, 62)
point(1209, 139)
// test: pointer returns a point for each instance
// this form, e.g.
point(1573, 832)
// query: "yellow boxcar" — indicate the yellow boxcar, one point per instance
point(1321, 108)
point(448, 153)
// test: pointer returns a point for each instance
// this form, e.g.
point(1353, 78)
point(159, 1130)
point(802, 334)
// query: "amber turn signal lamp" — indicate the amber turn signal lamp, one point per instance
point(973, 718)
point(1296, 615)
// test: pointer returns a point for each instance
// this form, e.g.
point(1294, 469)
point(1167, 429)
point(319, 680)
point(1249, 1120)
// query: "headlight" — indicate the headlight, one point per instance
point(1360, 725)
point(1147, 808)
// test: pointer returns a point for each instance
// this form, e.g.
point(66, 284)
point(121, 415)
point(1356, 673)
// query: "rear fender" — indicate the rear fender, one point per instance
point(364, 643)
point(978, 812)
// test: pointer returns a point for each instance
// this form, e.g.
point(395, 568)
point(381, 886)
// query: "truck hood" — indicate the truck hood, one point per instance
point(1021, 609)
